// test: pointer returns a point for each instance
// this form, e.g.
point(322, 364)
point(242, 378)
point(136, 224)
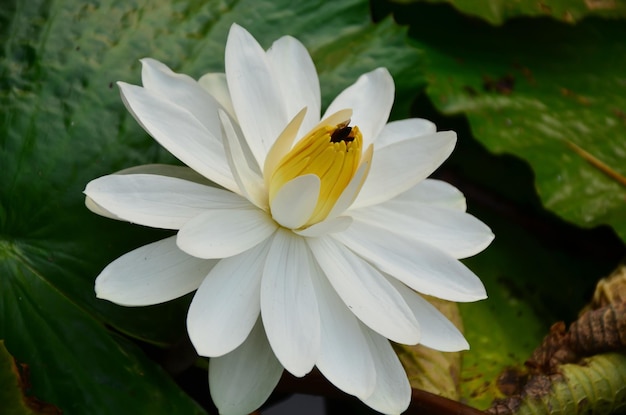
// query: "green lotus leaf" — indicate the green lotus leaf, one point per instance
point(498, 11)
point(551, 94)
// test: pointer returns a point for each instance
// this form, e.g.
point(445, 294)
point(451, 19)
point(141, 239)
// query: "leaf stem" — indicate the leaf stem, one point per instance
point(597, 163)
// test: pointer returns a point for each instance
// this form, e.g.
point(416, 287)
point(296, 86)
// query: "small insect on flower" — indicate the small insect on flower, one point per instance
point(324, 227)
point(342, 133)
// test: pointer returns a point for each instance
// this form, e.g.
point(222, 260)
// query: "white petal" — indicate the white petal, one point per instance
point(296, 76)
point(392, 394)
point(295, 202)
point(216, 85)
point(221, 233)
point(434, 193)
point(183, 91)
point(371, 99)
point(256, 97)
point(242, 380)
point(99, 210)
point(437, 331)
point(180, 132)
point(419, 265)
point(399, 166)
point(250, 182)
point(401, 130)
point(345, 358)
point(227, 304)
point(181, 172)
point(289, 305)
point(282, 145)
point(169, 170)
point(153, 274)
point(158, 201)
point(456, 233)
point(365, 291)
point(334, 225)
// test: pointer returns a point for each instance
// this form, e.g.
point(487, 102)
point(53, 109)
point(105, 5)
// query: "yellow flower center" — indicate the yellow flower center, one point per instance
point(332, 153)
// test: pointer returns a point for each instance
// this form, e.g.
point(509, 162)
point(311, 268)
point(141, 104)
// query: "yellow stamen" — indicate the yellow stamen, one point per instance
point(332, 153)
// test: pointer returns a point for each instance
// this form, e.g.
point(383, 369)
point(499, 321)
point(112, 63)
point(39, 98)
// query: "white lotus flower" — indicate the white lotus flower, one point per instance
point(310, 252)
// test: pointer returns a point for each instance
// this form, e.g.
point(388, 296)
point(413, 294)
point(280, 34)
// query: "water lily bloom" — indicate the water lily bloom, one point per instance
point(307, 238)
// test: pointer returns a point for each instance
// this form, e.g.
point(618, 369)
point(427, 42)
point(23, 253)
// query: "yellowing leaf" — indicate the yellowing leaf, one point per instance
point(431, 370)
point(14, 381)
